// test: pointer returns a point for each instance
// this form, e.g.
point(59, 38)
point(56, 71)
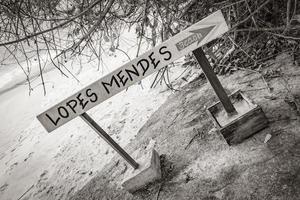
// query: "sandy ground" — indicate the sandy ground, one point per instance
point(57, 163)
point(196, 161)
point(37, 165)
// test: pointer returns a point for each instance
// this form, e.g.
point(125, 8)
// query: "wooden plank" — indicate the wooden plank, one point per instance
point(244, 127)
point(247, 124)
point(184, 42)
point(214, 81)
point(109, 140)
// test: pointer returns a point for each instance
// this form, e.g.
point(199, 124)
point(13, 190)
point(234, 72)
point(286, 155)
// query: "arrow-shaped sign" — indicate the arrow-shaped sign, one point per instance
point(197, 36)
point(179, 45)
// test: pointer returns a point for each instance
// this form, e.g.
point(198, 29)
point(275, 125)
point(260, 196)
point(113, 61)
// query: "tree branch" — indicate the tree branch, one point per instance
point(53, 28)
point(91, 30)
point(250, 16)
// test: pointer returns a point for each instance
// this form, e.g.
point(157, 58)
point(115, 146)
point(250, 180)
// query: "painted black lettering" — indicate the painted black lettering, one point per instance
point(72, 104)
point(91, 95)
point(153, 60)
point(145, 68)
point(129, 72)
point(121, 77)
point(65, 114)
point(162, 52)
point(113, 79)
point(54, 122)
point(81, 101)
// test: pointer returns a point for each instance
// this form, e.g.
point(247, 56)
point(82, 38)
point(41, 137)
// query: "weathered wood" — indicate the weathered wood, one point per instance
point(108, 139)
point(242, 127)
point(247, 125)
point(213, 80)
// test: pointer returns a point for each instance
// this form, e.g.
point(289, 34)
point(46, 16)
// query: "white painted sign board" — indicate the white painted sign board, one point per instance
point(184, 42)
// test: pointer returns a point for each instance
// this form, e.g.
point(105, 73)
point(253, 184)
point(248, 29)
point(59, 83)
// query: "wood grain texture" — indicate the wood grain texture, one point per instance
point(245, 125)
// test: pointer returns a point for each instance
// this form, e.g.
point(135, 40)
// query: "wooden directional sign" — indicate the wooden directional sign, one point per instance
point(184, 42)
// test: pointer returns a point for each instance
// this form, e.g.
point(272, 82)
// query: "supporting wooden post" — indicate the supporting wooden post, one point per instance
point(214, 81)
point(108, 139)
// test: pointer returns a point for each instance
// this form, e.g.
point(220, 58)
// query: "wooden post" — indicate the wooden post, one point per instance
point(108, 139)
point(214, 81)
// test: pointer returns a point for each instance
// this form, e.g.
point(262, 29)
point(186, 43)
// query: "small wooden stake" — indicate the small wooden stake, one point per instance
point(108, 139)
point(214, 81)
